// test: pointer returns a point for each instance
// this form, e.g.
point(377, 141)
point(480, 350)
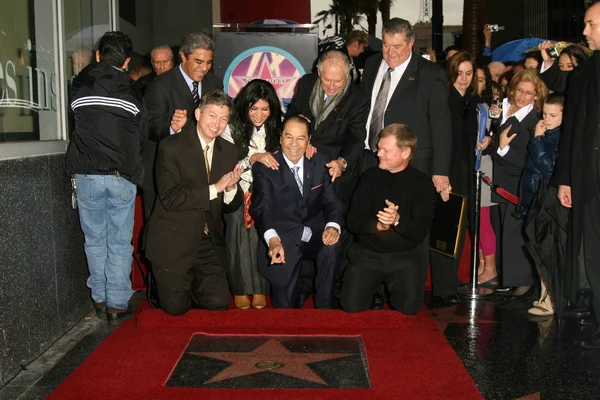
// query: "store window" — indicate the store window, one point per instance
point(29, 95)
point(37, 65)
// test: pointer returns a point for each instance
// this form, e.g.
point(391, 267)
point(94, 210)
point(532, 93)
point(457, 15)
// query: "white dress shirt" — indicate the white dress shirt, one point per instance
point(307, 234)
point(190, 83)
point(397, 74)
point(212, 189)
point(519, 115)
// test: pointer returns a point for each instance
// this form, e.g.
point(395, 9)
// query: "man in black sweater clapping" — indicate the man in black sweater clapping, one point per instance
point(391, 213)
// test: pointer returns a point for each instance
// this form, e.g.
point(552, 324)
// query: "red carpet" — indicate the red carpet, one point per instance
point(408, 357)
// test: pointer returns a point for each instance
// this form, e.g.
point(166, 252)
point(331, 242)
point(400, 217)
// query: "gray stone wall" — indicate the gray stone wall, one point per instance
point(43, 270)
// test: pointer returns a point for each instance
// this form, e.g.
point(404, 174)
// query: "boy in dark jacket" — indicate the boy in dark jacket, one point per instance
point(104, 157)
point(541, 152)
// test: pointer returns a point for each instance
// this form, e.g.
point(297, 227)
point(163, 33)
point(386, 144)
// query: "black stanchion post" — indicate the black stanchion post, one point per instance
point(473, 292)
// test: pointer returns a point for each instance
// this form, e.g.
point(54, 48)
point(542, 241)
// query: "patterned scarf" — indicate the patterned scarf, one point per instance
point(318, 108)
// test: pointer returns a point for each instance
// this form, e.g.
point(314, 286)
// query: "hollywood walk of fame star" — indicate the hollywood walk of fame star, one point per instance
point(293, 364)
point(265, 73)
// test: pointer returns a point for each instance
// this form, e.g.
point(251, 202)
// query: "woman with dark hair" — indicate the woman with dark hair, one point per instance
point(460, 77)
point(254, 128)
point(555, 74)
point(520, 114)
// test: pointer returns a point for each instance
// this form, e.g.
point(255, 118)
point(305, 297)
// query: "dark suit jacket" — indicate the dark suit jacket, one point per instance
point(555, 79)
point(341, 134)
point(508, 169)
point(277, 204)
point(183, 207)
point(165, 94)
point(577, 162)
point(421, 102)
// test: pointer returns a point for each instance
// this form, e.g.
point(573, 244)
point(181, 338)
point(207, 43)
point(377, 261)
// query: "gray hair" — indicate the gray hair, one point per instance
point(196, 40)
point(397, 26)
point(162, 47)
point(216, 97)
point(334, 55)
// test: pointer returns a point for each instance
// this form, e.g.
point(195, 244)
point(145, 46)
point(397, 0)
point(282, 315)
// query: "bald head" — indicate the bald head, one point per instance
point(496, 70)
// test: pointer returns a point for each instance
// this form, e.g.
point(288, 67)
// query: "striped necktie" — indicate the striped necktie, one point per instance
point(295, 170)
point(195, 93)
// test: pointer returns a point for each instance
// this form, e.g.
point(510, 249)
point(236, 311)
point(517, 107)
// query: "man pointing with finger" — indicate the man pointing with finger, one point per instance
point(298, 214)
point(390, 214)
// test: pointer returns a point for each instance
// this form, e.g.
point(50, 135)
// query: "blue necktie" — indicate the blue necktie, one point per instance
point(295, 170)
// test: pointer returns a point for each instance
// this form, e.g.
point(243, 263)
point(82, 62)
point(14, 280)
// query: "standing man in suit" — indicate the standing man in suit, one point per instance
point(172, 97)
point(337, 110)
point(196, 177)
point(408, 89)
point(298, 213)
point(578, 166)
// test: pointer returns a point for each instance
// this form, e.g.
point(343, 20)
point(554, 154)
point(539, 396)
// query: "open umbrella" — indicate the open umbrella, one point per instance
point(560, 46)
point(515, 50)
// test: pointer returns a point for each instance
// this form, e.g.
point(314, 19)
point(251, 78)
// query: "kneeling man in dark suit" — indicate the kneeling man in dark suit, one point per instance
point(297, 212)
point(197, 179)
point(390, 214)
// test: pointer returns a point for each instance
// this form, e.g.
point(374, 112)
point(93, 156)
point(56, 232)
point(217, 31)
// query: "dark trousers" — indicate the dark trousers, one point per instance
point(204, 282)
point(328, 260)
point(517, 270)
point(148, 196)
point(401, 273)
point(591, 250)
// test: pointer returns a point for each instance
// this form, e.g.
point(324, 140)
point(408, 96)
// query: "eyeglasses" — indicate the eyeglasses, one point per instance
point(526, 93)
point(162, 63)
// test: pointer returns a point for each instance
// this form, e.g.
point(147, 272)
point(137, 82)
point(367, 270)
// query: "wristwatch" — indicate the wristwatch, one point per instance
point(344, 163)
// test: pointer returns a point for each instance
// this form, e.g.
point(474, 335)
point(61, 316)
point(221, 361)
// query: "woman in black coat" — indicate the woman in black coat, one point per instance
point(460, 76)
point(520, 114)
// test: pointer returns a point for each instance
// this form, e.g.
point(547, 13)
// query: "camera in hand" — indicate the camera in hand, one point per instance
point(553, 52)
point(496, 27)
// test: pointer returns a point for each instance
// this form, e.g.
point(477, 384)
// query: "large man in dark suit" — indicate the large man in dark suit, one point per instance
point(172, 97)
point(337, 110)
point(578, 165)
point(408, 89)
point(298, 213)
point(196, 177)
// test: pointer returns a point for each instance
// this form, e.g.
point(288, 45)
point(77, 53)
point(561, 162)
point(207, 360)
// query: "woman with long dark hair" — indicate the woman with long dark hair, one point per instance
point(460, 77)
point(555, 72)
point(254, 128)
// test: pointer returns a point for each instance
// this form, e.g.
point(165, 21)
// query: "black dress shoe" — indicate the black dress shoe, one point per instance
point(452, 299)
point(592, 342)
point(490, 283)
point(100, 309)
point(113, 315)
point(152, 291)
point(378, 302)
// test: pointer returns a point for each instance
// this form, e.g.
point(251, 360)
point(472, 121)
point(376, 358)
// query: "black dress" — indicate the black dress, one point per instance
point(463, 111)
